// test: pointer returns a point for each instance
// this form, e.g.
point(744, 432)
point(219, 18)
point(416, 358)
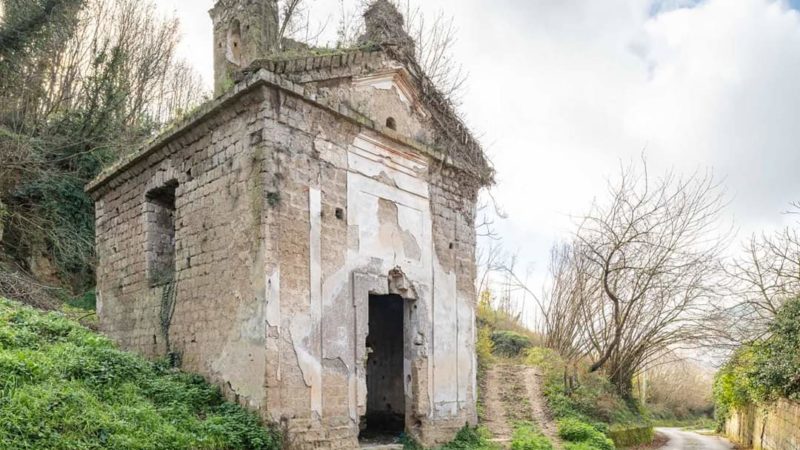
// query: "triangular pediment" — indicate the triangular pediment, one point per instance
point(399, 80)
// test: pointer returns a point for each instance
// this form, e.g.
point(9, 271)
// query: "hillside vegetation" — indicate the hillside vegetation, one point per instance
point(66, 387)
point(587, 414)
point(765, 370)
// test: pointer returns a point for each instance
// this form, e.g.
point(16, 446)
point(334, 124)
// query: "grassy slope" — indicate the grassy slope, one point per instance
point(585, 416)
point(593, 403)
point(64, 387)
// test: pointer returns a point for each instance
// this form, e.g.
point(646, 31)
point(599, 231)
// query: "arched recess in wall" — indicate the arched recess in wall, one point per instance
point(234, 50)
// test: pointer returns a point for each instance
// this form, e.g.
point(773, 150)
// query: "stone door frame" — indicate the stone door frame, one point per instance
point(415, 371)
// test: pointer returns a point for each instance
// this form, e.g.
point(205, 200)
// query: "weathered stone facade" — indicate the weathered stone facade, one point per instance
point(286, 213)
point(775, 426)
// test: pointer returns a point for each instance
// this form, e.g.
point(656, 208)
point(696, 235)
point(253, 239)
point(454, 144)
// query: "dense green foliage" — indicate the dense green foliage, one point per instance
point(81, 83)
point(575, 431)
point(509, 343)
point(527, 437)
point(468, 438)
point(591, 411)
point(764, 370)
point(593, 399)
point(64, 387)
point(484, 349)
point(473, 438)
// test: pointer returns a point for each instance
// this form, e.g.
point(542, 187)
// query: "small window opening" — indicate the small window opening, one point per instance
point(391, 124)
point(160, 235)
point(234, 52)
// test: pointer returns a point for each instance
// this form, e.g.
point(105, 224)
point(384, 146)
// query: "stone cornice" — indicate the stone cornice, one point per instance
point(263, 78)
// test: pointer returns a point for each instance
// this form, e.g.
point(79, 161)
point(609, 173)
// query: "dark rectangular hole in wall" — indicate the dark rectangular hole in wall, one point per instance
point(161, 234)
point(385, 416)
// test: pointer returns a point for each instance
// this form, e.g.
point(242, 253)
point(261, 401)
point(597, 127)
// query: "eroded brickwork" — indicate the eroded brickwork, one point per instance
point(286, 203)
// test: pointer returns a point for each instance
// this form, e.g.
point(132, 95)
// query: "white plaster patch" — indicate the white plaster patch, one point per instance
point(445, 340)
point(308, 363)
point(466, 345)
point(373, 159)
point(378, 173)
point(273, 298)
point(315, 289)
point(387, 81)
point(242, 362)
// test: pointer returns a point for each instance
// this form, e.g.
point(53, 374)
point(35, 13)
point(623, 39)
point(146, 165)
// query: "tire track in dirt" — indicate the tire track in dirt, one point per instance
point(513, 393)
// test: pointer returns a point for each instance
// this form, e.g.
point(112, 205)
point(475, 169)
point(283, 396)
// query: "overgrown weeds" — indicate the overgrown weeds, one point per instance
point(472, 438)
point(580, 435)
point(528, 437)
point(63, 386)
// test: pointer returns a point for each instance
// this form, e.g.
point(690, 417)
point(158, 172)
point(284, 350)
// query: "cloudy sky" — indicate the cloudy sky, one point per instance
point(562, 91)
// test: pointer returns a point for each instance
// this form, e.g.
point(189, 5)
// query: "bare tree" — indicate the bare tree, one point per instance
point(648, 268)
point(764, 277)
point(95, 88)
point(678, 385)
point(434, 38)
point(157, 85)
point(562, 321)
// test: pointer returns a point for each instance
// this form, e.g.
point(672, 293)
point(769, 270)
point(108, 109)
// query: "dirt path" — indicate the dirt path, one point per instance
point(494, 410)
point(541, 416)
point(513, 393)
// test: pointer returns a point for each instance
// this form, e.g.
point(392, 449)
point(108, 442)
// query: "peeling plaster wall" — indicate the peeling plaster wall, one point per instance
point(288, 218)
point(354, 206)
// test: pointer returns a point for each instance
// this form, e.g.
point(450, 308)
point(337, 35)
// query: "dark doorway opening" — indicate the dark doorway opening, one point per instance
point(385, 418)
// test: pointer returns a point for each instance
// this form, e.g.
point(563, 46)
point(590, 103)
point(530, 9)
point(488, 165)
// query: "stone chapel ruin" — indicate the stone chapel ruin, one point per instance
point(306, 240)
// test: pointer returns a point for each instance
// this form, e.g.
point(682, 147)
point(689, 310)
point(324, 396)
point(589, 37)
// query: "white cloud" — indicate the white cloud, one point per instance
point(562, 90)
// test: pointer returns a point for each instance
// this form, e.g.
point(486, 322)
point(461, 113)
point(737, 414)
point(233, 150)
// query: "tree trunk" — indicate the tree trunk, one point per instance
point(623, 382)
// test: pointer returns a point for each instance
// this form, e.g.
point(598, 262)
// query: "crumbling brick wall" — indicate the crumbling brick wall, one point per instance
point(288, 214)
point(215, 166)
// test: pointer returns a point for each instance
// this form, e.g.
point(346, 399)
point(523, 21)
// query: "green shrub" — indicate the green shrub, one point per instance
point(471, 438)
point(581, 446)
point(87, 301)
point(62, 386)
point(545, 358)
point(578, 446)
point(409, 443)
point(526, 437)
point(777, 373)
point(576, 431)
point(593, 400)
point(484, 348)
point(764, 370)
point(573, 430)
point(509, 343)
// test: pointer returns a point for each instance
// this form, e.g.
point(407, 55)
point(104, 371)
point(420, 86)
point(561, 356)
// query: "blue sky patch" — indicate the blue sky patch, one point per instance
point(662, 6)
